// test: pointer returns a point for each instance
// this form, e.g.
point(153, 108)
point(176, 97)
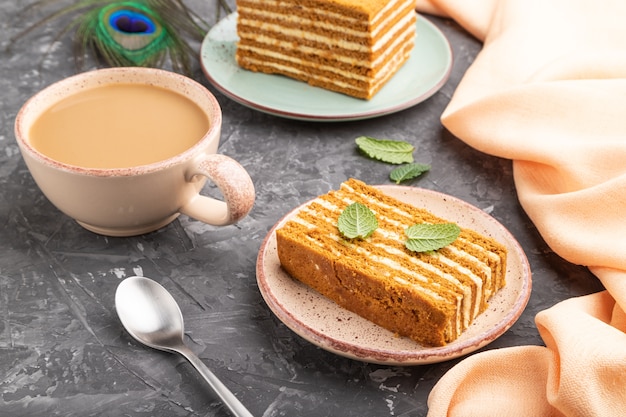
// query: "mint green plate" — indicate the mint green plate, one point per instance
point(422, 75)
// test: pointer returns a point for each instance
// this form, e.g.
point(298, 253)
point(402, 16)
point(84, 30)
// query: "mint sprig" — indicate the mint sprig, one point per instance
point(426, 237)
point(357, 221)
point(393, 152)
point(386, 150)
point(408, 171)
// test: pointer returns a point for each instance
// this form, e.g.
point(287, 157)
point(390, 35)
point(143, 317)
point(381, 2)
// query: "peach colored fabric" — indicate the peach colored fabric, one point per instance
point(548, 91)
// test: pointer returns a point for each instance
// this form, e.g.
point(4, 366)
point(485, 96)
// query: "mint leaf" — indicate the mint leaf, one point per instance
point(357, 221)
point(390, 151)
point(408, 171)
point(429, 237)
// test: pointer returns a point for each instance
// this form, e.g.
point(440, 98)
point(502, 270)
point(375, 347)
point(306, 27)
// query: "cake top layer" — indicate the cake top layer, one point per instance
point(366, 9)
point(370, 7)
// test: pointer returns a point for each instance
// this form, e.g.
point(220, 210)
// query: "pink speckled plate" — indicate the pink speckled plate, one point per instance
point(322, 322)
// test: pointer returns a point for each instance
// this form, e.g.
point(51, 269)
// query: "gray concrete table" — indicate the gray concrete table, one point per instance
point(63, 352)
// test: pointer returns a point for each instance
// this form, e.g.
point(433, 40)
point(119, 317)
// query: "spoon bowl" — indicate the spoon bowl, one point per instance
point(151, 315)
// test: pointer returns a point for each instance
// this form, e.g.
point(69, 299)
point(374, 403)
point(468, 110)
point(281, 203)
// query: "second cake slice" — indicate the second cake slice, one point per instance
point(430, 297)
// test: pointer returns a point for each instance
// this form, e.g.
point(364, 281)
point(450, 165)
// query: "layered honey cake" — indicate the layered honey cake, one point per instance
point(430, 297)
point(349, 46)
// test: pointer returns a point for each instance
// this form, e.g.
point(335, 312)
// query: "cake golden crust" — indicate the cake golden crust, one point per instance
point(428, 297)
point(365, 9)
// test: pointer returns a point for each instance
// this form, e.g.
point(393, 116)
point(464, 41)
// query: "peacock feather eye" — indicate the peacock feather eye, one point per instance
point(130, 21)
point(132, 31)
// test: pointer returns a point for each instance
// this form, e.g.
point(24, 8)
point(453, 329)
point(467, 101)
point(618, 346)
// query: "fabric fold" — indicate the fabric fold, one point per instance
point(587, 374)
point(548, 91)
point(475, 387)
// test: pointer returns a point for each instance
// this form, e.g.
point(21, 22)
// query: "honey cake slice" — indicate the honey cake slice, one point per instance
point(430, 297)
point(349, 46)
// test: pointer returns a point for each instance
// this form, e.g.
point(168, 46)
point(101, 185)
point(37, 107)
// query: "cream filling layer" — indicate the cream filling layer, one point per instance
point(475, 279)
point(482, 266)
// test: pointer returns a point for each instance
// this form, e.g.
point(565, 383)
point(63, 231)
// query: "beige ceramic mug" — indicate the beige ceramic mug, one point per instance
point(127, 197)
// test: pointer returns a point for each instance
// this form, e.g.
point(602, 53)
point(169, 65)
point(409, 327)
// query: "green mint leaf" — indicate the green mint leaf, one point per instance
point(408, 171)
point(429, 237)
point(357, 221)
point(390, 151)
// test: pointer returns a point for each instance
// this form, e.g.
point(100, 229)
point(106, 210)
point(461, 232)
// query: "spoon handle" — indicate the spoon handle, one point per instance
point(227, 397)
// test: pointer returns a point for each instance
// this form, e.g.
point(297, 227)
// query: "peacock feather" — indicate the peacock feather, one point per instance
point(130, 33)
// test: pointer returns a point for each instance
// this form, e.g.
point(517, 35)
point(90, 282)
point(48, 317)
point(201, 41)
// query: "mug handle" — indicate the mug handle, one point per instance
point(233, 181)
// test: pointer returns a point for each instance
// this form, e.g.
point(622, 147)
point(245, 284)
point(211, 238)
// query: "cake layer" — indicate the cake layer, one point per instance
point(429, 297)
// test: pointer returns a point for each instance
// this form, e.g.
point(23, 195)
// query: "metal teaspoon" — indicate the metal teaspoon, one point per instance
point(151, 315)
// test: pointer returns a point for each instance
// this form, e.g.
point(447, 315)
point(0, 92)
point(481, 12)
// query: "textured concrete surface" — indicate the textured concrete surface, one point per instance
point(63, 351)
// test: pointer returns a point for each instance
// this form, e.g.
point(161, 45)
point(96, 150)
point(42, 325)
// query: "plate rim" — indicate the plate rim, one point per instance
point(335, 117)
point(398, 357)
